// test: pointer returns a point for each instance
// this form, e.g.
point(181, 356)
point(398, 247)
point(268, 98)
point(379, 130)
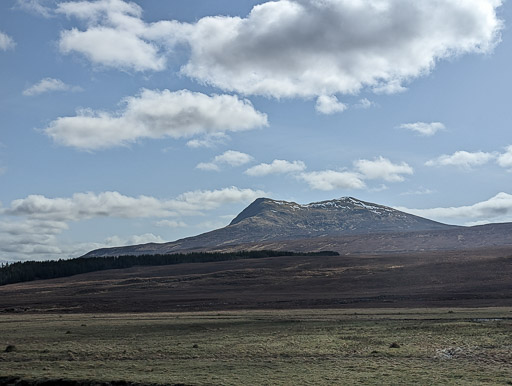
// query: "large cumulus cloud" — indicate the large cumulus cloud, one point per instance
point(308, 48)
point(291, 48)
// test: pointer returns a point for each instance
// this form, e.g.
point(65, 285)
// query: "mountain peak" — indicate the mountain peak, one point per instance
point(258, 206)
point(263, 207)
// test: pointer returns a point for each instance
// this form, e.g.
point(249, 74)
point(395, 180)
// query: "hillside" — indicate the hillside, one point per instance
point(471, 278)
point(267, 220)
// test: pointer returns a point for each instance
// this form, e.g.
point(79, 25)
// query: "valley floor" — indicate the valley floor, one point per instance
point(287, 347)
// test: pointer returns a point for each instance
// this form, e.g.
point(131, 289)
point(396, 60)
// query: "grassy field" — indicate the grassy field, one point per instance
point(298, 347)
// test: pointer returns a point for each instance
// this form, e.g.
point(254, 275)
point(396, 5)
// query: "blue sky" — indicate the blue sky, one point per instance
point(148, 121)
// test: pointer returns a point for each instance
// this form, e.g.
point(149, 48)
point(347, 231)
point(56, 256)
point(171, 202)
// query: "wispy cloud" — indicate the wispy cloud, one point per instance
point(48, 85)
point(6, 42)
point(36, 7)
point(331, 179)
point(134, 240)
point(364, 103)
point(209, 140)
point(497, 208)
point(423, 128)
point(277, 166)
point(171, 224)
point(418, 192)
point(230, 157)
point(463, 159)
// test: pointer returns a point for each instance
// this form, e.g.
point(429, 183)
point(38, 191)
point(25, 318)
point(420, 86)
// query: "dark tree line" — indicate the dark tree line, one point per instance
point(37, 270)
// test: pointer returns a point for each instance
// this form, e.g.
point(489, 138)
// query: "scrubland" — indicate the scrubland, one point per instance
point(289, 347)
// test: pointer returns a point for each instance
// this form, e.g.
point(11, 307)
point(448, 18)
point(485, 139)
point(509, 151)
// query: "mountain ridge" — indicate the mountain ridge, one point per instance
point(268, 220)
point(345, 207)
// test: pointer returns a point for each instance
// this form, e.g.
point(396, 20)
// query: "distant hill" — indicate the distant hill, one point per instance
point(39, 270)
point(469, 278)
point(272, 221)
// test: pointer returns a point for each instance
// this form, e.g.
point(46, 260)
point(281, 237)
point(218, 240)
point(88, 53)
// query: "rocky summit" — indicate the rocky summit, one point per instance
point(267, 220)
point(347, 215)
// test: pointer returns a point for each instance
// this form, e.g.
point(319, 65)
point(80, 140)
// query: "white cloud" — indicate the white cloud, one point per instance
point(211, 199)
point(83, 206)
point(382, 168)
point(89, 205)
point(171, 224)
point(467, 160)
point(134, 240)
point(478, 222)
point(29, 237)
point(208, 166)
point(462, 159)
point(329, 104)
point(378, 169)
point(112, 47)
point(423, 128)
point(230, 157)
point(310, 48)
point(392, 87)
point(6, 42)
point(35, 6)
point(22, 228)
point(277, 166)
point(505, 159)
point(156, 114)
point(364, 103)
point(380, 188)
point(495, 209)
point(29, 227)
point(48, 85)
point(41, 246)
point(418, 192)
point(114, 11)
point(291, 48)
point(206, 226)
point(208, 141)
point(114, 36)
point(330, 180)
point(233, 158)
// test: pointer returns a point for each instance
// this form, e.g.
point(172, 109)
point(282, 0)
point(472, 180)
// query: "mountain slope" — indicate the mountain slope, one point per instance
point(267, 220)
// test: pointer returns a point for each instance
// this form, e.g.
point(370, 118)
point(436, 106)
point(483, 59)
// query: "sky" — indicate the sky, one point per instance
point(126, 122)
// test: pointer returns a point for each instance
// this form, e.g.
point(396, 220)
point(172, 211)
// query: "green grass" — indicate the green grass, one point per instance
point(307, 347)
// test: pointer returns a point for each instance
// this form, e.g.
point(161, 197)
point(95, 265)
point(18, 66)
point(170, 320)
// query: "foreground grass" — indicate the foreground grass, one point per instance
point(436, 346)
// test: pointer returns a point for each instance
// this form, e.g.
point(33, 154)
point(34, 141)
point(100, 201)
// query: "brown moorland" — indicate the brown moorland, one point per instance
point(469, 278)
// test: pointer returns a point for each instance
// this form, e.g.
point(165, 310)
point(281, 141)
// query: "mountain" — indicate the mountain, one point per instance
point(347, 215)
point(267, 220)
